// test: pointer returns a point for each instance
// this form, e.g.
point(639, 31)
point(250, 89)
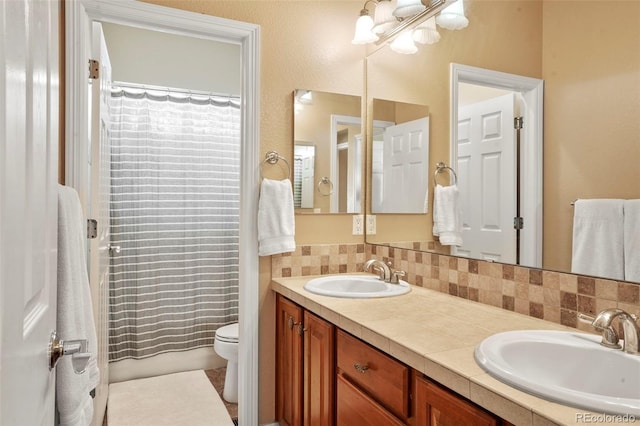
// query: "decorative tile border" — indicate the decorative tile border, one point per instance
point(549, 295)
point(319, 259)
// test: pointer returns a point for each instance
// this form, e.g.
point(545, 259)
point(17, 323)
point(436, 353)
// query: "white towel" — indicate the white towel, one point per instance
point(598, 238)
point(276, 225)
point(632, 240)
point(447, 216)
point(75, 312)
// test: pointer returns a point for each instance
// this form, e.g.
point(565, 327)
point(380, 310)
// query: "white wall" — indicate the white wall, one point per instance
point(160, 59)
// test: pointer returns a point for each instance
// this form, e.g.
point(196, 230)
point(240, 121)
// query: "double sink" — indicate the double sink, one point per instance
point(571, 368)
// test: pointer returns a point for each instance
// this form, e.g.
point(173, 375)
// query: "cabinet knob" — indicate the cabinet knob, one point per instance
point(290, 323)
point(361, 368)
point(301, 329)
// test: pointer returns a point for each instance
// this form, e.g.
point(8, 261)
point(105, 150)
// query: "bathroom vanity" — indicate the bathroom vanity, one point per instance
point(404, 360)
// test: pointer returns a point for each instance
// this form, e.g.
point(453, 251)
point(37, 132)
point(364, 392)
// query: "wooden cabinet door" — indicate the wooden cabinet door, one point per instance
point(354, 407)
point(289, 378)
point(437, 406)
point(319, 371)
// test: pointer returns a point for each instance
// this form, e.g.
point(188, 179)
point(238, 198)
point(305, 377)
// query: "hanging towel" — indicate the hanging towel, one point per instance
point(276, 223)
point(632, 240)
point(598, 238)
point(75, 312)
point(447, 216)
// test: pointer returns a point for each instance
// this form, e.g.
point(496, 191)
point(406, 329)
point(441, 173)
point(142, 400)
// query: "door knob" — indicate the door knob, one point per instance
point(76, 348)
point(113, 249)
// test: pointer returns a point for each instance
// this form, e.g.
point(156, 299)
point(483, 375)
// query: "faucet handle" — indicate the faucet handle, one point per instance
point(610, 338)
point(396, 275)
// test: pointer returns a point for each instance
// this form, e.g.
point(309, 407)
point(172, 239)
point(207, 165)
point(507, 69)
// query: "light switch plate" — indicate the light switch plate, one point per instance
point(371, 224)
point(358, 224)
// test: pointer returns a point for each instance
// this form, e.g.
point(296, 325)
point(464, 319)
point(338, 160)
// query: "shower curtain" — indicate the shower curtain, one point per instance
point(175, 184)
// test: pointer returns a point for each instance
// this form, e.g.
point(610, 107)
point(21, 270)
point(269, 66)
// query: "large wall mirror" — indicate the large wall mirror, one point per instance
point(328, 153)
point(589, 127)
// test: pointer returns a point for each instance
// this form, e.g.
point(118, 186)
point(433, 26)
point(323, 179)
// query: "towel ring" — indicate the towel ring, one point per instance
point(440, 168)
point(325, 181)
point(272, 157)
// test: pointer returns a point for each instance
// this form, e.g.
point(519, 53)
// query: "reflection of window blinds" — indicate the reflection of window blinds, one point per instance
point(297, 182)
point(175, 199)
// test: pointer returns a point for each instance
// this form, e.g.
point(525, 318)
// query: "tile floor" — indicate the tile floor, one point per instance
point(216, 377)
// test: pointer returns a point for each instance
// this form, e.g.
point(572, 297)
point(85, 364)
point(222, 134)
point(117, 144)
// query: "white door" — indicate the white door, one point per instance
point(99, 209)
point(308, 183)
point(29, 116)
point(406, 165)
point(486, 170)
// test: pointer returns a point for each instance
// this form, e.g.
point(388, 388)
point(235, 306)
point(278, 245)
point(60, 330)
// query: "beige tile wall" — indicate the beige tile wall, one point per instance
point(552, 296)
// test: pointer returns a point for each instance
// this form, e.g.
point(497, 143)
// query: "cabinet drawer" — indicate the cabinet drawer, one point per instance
point(356, 408)
point(382, 377)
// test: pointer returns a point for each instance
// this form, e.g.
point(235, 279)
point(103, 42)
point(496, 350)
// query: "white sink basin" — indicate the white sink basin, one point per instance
point(355, 286)
point(566, 367)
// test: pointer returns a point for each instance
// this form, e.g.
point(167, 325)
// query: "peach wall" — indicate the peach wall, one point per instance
point(304, 44)
point(591, 68)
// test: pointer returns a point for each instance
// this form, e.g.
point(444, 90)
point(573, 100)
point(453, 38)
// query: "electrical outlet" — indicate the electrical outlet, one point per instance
point(358, 224)
point(371, 224)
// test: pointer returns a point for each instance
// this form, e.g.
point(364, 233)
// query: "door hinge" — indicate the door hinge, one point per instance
point(94, 69)
point(92, 229)
point(518, 223)
point(518, 122)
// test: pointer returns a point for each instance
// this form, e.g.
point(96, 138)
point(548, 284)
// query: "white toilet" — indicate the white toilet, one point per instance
point(226, 345)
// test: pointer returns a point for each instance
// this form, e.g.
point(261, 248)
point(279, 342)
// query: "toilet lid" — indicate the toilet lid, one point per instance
point(228, 333)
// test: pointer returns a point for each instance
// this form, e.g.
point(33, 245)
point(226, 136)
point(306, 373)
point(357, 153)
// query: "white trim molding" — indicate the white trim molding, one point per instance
point(532, 90)
point(79, 16)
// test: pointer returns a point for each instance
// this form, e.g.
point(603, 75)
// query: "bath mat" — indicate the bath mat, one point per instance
point(178, 399)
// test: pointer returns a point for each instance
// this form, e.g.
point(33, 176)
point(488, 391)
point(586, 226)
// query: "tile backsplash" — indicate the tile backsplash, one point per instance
point(549, 295)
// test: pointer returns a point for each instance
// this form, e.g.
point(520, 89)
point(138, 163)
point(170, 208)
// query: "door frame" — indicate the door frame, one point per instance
point(352, 201)
point(532, 90)
point(79, 15)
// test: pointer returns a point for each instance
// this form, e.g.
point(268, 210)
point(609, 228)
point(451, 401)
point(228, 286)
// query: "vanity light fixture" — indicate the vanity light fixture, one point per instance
point(426, 32)
point(301, 98)
point(452, 17)
point(408, 8)
point(400, 18)
point(404, 44)
point(383, 18)
point(364, 27)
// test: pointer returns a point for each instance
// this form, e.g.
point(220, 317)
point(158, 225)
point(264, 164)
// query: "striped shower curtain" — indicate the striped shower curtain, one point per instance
point(175, 185)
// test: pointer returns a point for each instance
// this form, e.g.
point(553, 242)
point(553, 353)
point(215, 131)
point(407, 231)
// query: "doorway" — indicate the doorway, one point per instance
point(529, 92)
point(79, 18)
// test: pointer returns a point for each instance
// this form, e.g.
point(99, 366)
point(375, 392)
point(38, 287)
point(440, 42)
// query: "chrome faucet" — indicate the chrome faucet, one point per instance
point(602, 322)
point(384, 270)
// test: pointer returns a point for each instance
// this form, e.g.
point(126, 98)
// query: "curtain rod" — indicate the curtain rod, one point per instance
point(172, 89)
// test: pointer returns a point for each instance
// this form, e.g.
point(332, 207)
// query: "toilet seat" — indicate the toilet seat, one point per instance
point(228, 333)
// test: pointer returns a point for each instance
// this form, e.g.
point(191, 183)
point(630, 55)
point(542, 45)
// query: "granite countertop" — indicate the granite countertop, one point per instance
point(436, 333)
